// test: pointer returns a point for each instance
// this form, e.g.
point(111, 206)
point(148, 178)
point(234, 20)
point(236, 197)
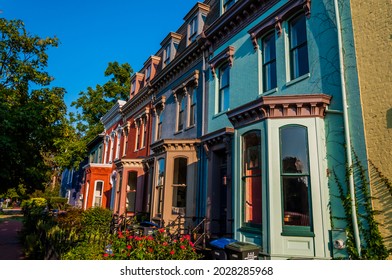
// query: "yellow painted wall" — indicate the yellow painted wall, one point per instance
point(372, 25)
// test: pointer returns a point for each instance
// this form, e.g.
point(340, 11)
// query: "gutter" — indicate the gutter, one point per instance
point(347, 130)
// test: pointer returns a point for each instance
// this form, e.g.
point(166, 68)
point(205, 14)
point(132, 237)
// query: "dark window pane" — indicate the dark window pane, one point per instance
point(294, 150)
point(295, 201)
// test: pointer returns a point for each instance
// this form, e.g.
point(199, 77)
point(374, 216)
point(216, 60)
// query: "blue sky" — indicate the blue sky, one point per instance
point(93, 33)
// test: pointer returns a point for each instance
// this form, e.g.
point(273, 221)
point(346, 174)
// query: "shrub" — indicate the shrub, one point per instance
point(96, 220)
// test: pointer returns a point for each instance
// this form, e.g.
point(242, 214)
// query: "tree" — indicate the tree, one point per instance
point(96, 102)
point(31, 121)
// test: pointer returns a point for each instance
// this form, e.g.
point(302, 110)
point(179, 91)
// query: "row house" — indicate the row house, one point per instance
point(241, 118)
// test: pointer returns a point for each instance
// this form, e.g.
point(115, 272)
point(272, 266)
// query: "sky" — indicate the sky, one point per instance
point(93, 33)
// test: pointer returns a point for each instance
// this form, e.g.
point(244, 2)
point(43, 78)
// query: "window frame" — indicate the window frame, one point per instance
point(296, 230)
point(244, 177)
point(266, 63)
point(131, 191)
point(192, 97)
point(223, 91)
point(193, 29)
point(159, 187)
point(177, 185)
point(295, 63)
point(95, 190)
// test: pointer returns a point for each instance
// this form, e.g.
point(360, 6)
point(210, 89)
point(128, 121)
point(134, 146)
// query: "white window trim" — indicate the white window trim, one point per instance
point(95, 189)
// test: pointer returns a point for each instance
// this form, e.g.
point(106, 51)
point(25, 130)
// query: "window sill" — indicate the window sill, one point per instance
point(178, 132)
point(269, 92)
point(190, 127)
point(217, 115)
point(299, 79)
point(250, 230)
point(298, 233)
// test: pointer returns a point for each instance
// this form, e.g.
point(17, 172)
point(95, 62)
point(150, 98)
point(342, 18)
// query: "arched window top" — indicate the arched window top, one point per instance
point(294, 149)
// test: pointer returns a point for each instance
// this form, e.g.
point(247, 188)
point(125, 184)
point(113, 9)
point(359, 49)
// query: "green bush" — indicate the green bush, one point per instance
point(96, 220)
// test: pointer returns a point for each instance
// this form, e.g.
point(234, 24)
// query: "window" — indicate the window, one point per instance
point(299, 64)
point(224, 88)
point(133, 87)
point(251, 179)
point(227, 4)
point(137, 142)
point(159, 187)
point(269, 62)
point(161, 118)
point(98, 190)
point(193, 28)
point(192, 108)
point(181, 112)
point(148, 72)
point(144, 132)
point(179, 184)
point(166, 59)
point(130, 202)
point(295, 177)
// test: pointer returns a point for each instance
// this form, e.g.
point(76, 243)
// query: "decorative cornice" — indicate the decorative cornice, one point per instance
point(129, 163)
point(274, 21)
point(158, 103)
point(174, 145)
point(171, 36)
point(199, 7)
point(191, 80)
point(217, 136)
point(225, 56)
point(113, 115)
point(184, 60)
point(287, 106)
point(234, 20)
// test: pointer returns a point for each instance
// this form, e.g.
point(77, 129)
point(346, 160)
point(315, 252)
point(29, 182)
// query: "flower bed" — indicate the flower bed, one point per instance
point(159, 246)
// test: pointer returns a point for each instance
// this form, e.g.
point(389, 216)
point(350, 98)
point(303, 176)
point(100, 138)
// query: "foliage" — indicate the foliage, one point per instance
point(30, 120)
point(96, 219)
point(84, 251)
point(96, 102)
point(372, 246)
point(160, 246)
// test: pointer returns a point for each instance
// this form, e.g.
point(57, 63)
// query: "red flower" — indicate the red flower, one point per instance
point(182, 247)
point(129, 247)
point(161, 230)
point(191, 243)
point(106, 255)
point(164, 243)
point(150, 250)
point(172, 252)
point(130, 237)
point(187, 237)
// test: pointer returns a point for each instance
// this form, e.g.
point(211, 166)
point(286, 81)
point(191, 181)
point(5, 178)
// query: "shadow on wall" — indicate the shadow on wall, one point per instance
point(389, 118)
point(382, 193)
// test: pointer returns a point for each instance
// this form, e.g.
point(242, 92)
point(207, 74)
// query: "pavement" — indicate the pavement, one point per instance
point(10, 246)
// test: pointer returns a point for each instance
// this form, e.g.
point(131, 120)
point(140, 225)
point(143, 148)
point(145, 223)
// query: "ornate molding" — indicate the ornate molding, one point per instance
point(174, 145)
point(235, 20)
point(129, 163)
point(288, 106)
point(274, 21)
point(190, 81)
point(225, 56)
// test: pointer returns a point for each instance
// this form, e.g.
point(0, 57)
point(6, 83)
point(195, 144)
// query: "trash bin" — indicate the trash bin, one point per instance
point(148, 227)
point(218, 245)
point(242, 251)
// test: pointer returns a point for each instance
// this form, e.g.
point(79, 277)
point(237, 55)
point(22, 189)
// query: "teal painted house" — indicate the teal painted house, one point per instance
point(275, 129)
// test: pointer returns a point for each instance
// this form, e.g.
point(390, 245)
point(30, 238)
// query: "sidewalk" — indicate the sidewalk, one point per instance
point(10, 247)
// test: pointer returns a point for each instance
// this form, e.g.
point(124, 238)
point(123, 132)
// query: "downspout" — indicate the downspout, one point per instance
point(347, 131)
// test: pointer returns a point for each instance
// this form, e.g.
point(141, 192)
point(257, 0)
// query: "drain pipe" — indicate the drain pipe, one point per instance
point(347, 130)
